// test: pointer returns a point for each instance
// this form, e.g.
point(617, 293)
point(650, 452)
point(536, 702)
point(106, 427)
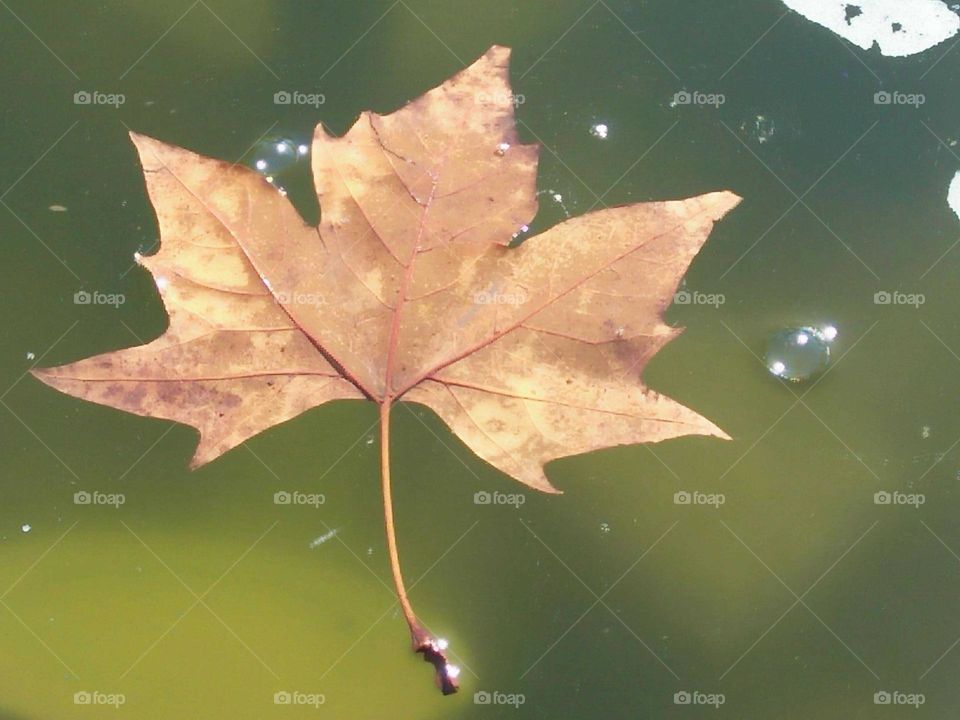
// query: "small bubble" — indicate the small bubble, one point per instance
point(604, 528)
point(797, 354)
point(26, 528)
point(600, 130)
point(31, 356)
point(275, 154)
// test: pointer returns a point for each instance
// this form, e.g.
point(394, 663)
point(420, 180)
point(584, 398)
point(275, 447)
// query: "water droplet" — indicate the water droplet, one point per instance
point(274, 154)
point(600, 130)
point(799, 353)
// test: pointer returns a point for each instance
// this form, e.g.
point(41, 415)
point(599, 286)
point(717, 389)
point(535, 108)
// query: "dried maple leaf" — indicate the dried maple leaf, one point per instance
point(408, 291)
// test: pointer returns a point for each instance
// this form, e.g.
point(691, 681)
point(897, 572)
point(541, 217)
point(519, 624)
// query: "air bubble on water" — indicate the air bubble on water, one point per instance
point(31, 356)
point(799, 353)
point(600, 130)
point(369, 440)
point(26, 527)
point(274, 154)
point(604, 528)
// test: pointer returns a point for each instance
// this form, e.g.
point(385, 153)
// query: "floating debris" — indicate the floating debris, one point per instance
point(57, 208)
point(327, 536)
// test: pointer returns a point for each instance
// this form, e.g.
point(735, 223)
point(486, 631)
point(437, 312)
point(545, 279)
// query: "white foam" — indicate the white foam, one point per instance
point(922, 23)
point(953, 194)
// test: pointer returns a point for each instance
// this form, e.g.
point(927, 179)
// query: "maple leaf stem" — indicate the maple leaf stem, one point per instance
point(423, 641)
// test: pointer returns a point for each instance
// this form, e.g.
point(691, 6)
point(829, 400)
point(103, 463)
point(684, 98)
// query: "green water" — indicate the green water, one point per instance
point(199, 597)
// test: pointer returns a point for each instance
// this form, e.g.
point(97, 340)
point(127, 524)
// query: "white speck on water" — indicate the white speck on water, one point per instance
point(369, 440)
point(778, 368)
point(557, 197)
point(925, 432)
point(261, 165)
point(369, 552)
point(802, 338)
point(898, 27)
point(31, 356)
point(302, 149)
point(327, 536)
point(57, 208)
point(282, 147)
point(26, 527)
point(600, 130)
point(604, 528)
point(953, 194)
point(828, 333)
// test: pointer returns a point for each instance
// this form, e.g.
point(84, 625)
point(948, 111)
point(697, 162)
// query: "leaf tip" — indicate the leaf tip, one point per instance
point(723, 201)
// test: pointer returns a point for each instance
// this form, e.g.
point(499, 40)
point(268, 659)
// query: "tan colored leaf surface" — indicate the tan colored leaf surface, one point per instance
point(408, 291)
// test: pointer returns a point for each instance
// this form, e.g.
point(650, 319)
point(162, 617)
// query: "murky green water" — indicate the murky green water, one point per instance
point(797, 597)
